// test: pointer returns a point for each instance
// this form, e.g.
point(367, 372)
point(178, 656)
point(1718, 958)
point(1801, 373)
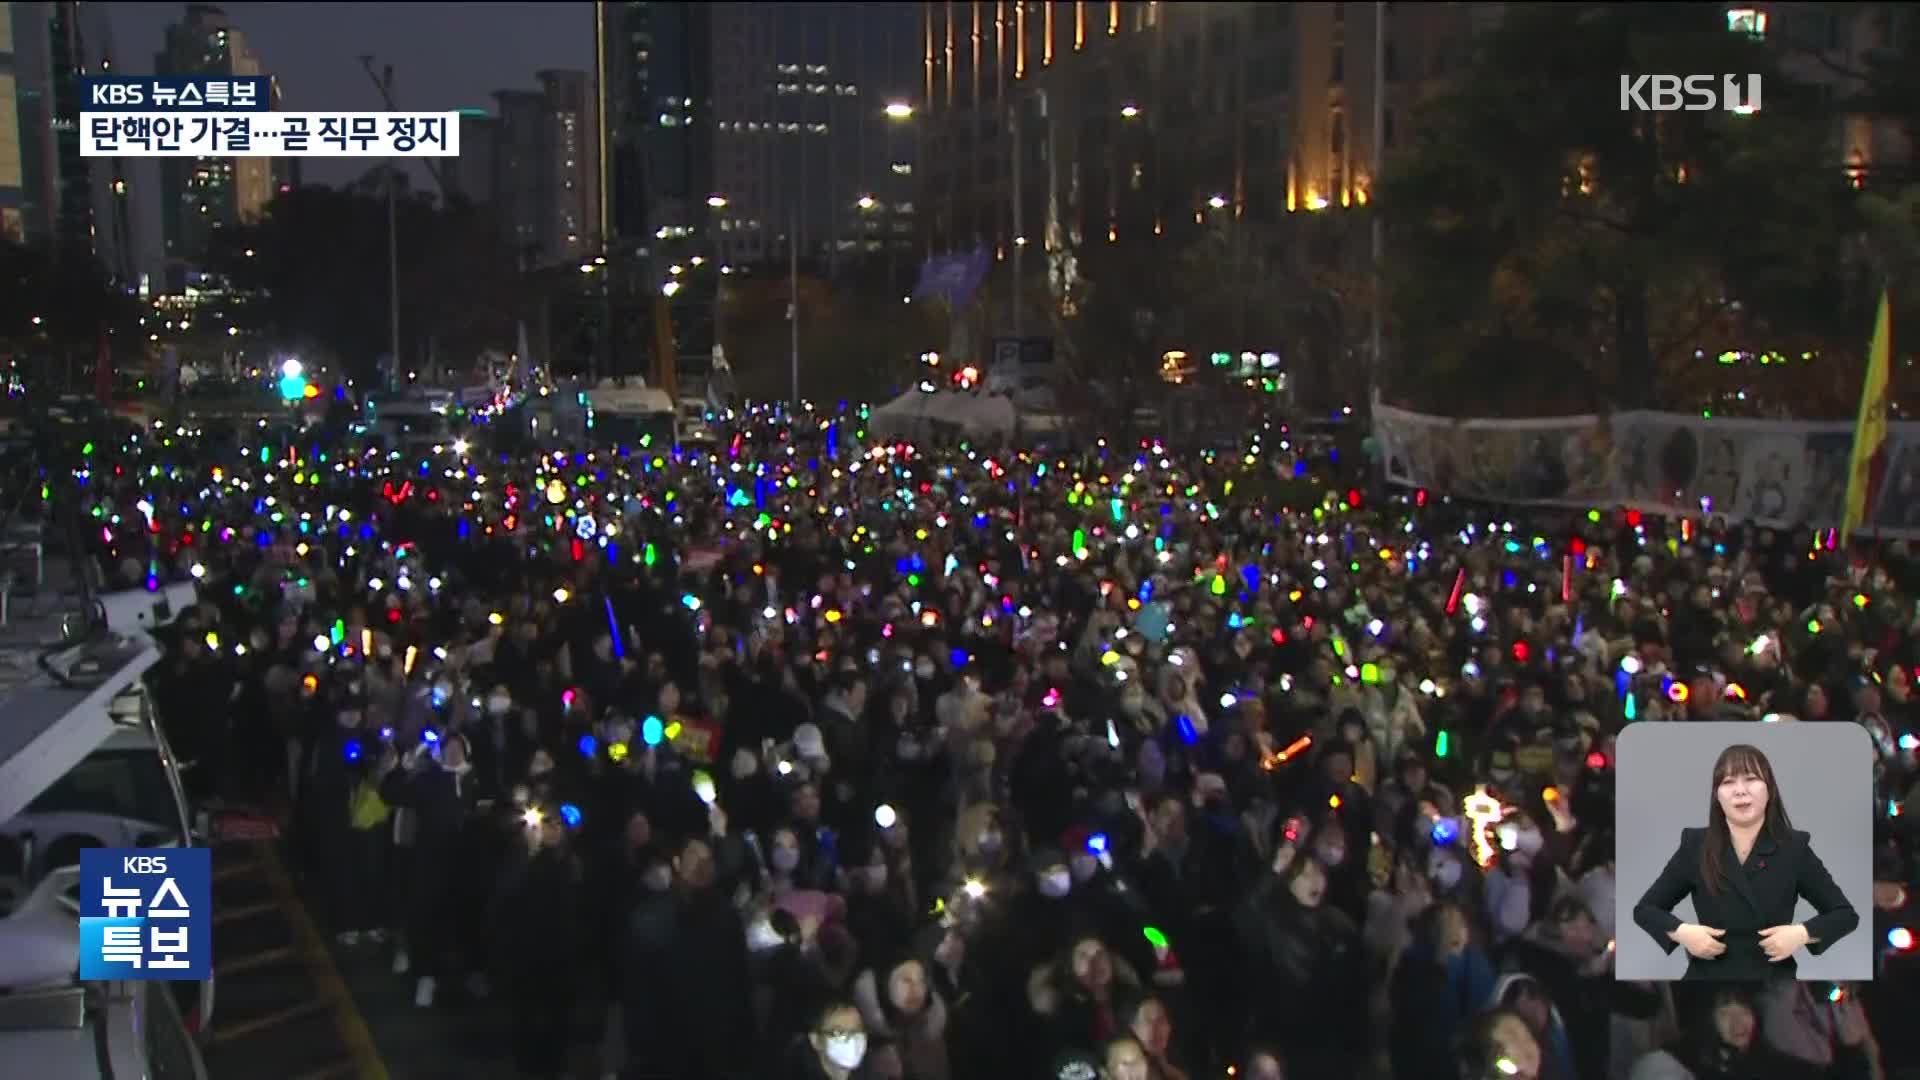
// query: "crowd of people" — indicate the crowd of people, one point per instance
point(804, 754)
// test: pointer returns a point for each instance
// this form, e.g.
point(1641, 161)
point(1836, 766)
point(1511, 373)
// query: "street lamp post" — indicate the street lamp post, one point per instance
point(383, 81)
point(1373, 205)
point(793, 303)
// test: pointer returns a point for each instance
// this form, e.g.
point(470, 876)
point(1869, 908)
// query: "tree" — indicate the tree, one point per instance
point(316, 269)
point(1536, 218)
point(59, 301)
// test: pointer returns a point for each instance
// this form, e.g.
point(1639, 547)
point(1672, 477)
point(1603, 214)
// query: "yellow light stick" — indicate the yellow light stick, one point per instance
point(1482, 811)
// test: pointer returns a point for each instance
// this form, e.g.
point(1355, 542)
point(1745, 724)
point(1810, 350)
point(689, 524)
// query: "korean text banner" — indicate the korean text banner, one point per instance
point(182, 93)
point(269, 134)
point(1768, 472)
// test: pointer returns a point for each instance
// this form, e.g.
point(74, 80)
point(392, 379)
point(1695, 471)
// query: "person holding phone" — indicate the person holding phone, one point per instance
point(1745, 871)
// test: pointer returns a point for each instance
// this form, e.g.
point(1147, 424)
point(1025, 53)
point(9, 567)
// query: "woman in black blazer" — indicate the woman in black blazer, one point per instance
point(1745, 871)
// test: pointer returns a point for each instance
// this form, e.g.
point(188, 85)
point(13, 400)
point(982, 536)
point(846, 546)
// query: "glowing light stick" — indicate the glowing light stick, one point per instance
point(1459, 587)
point(1482, 811)
point(570, 814)
point(703, 787)
point(413, 653)
point(1287, 753)
point(1566, 579)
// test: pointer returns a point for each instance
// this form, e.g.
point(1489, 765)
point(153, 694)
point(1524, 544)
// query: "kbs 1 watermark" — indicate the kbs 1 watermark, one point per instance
point(1690, 93)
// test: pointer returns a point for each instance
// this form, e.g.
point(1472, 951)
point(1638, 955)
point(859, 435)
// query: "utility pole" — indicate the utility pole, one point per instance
point(1016, 148)
point(1373, 190)
point(384, 83)
point(793, 305)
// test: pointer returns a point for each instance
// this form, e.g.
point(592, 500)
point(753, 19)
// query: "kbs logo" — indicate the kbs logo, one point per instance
point(1689, 93)
point(117, 93)
point(145, 915)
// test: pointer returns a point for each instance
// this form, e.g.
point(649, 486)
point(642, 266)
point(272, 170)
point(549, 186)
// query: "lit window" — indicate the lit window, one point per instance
point(1747, 21)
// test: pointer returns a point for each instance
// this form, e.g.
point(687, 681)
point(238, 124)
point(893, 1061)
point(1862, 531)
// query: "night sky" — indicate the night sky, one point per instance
point(445, 56)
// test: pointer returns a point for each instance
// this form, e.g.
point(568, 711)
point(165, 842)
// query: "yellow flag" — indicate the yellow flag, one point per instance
point(1870, 430)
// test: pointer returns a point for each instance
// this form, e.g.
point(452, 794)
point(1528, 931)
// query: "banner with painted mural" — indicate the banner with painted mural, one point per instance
point(1769, 472)
point(1774, 473)
point(1552, 460)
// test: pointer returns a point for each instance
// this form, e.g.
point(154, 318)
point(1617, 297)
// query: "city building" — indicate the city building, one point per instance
point(46, 195)
point(536, 163)
point(813, 130)
point(471, 174)
point(654, 70)
point(112, 178)
point(1251, 110)
point(201, 195)
point(760, 121)
point(1828, 45)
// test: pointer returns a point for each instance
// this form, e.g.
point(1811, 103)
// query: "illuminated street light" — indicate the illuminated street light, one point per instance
point(866, 202)
point(670, 288)
point(716, 201)
point(1129, 111)
point(899, 110)
point(1218, 202)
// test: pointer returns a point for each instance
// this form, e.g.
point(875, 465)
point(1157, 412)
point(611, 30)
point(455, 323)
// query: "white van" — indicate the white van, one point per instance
point(126, 793)
point(51, 1025)
point(105, 1030)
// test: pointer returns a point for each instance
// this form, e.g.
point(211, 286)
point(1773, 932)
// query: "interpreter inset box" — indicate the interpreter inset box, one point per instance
point(1744, 851)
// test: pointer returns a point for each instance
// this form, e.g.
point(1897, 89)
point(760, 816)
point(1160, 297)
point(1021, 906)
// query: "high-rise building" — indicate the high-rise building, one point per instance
point(516, 169)
point(655, 66)
point(112, 178)
point(569, 166)
point(13, 170)
point(201, 195)
point(813, 129)
point(537, 164)
point(45, 192)
point(471, 174)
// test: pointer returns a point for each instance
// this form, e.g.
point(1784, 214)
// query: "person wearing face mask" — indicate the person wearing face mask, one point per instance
point(1306, 963)
point(1512, 884)
point(1028, 929)
point(835, 1047)
point(434, 786)
point(877, 917)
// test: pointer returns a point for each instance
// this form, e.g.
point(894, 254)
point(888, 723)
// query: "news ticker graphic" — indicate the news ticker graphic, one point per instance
point(196, 93)
point(269, 134)
point(146, 913)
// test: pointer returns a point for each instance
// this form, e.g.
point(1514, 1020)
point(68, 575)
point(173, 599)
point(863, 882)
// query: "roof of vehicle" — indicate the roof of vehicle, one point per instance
point(56, 694)
point(609, 396)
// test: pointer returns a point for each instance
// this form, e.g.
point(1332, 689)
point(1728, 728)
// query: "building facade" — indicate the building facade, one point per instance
point(813, 111)
point(46, 194)
point(199, 196)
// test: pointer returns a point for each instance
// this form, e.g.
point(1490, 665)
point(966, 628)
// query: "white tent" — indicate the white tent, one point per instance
point(916, 414)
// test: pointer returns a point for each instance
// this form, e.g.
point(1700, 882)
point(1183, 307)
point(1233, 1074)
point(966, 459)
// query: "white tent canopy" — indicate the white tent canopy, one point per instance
point(917, 413)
